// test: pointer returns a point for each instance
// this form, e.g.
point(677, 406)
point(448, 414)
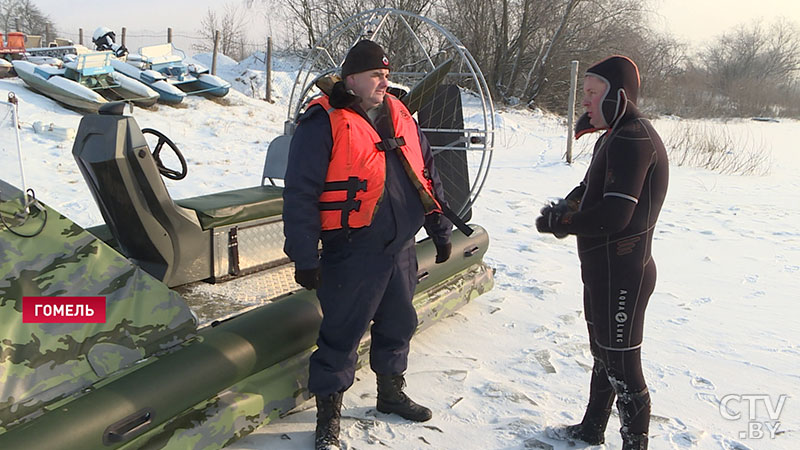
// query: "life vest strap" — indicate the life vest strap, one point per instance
point(352, 185)
point(456, 220)
point(390, 144)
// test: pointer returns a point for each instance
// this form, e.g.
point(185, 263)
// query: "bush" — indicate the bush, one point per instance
point(712, 146)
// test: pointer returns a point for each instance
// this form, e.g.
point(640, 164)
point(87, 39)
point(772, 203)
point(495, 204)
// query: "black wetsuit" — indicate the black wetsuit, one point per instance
point(624, 189)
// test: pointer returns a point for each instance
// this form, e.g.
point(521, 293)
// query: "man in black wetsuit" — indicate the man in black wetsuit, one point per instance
point(613, 213)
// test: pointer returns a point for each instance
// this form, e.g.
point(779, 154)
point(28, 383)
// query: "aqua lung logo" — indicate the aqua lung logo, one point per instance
point(621, 317)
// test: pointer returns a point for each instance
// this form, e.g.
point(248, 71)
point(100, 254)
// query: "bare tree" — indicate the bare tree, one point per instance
point(750, 65)
point(231, 26)
point(31, 19)
point(537, 73)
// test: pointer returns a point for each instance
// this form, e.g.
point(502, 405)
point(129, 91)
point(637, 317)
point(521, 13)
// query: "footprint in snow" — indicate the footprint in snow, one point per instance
point(701, 301)
point(536, 444)
point(496, 390)
point(568, 318)
point(543, 358)
point(709, 398)
point(703, 383)
point(538, 293)
point(730, 444)
point(678, 321)
point(686, 439)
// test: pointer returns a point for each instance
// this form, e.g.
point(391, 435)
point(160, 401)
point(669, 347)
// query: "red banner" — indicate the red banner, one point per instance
point(63, 309)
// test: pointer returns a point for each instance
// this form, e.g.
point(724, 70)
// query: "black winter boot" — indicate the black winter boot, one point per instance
point(634, 441)
point(601, 397)
point(634, 413)
point(392, 399)
point(329, 413)
point(591, 430)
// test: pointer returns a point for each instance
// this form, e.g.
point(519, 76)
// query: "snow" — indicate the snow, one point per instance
point(516, 360)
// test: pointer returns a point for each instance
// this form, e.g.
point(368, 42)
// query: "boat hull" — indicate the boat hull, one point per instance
point(206, 84)
point(167, 92)
point(172, 90)
point(259, 357)
point(59, 88)
point(80, 97)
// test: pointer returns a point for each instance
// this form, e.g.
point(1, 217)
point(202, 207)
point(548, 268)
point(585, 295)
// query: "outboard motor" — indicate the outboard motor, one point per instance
point(104, 39)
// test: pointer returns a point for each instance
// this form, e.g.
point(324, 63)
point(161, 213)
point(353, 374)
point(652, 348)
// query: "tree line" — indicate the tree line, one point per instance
point(24, 16)
point(525, 48)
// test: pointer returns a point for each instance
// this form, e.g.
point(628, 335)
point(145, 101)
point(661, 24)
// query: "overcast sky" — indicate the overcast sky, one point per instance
point(694, 21)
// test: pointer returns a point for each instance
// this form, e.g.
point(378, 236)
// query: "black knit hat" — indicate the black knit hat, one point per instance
point(365, 55)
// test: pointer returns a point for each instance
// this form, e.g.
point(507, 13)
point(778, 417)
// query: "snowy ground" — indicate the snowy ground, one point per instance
point(720, 326)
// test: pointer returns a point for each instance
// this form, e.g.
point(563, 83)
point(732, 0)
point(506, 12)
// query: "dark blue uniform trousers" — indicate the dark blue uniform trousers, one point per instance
point(359, 286)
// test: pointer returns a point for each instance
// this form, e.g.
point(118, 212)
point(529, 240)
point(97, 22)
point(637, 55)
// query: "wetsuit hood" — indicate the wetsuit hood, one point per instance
point(621, 77)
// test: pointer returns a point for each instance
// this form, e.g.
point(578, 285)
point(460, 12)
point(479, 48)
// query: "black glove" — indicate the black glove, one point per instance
point(551, 219)
point(308, 278)
point(443, 252)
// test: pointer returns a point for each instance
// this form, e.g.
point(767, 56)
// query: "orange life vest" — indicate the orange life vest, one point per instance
point(357, 171)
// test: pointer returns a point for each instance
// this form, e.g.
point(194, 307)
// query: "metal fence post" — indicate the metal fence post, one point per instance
point(216, 49)
point(269, 70)
point(573, 85)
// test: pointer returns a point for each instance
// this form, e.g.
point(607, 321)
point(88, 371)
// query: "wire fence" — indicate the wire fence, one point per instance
point(189, 42)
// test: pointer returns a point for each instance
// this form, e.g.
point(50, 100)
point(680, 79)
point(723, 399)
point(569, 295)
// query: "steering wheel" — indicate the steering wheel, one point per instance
point(162, 169)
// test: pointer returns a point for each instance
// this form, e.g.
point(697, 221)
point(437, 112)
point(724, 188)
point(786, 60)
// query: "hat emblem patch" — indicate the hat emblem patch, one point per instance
point(385, 60)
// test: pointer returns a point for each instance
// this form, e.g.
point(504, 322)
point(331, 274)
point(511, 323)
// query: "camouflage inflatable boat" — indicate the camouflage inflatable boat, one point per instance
point(178, 362)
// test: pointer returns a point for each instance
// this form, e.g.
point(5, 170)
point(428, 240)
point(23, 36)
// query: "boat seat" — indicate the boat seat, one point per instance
point(33, 41)
point(47, 71)
point(159, 54)
point(164, 59)
point(237, 206)
point(163, 238)
point(278, 155)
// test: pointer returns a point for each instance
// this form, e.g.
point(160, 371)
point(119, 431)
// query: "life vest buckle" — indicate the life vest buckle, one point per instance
point(352, 185)
point(390, 144)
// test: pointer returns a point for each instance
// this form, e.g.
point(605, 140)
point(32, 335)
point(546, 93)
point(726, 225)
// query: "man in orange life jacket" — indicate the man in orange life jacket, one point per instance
point(361, 178)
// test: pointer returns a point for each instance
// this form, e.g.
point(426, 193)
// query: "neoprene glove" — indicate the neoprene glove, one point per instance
point(551, 217)
point(308, 278)
point(443, 252)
